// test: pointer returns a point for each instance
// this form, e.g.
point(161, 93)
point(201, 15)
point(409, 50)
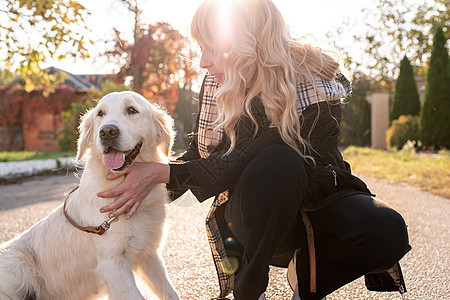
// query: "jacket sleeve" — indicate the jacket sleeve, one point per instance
point(190, 154)
point(207, 177)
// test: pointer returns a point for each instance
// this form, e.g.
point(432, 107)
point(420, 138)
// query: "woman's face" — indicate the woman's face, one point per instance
point(212, 60)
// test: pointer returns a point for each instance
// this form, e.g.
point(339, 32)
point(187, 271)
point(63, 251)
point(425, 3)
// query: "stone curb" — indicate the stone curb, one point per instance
point(19, 169)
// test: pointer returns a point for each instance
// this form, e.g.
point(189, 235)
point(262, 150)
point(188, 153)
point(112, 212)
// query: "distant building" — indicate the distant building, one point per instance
point(81, 83)
point(29, 121)
point(379, 119)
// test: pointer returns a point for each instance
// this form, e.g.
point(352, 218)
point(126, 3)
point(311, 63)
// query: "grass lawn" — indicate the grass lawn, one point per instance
point(430, 172)
point(32, 155)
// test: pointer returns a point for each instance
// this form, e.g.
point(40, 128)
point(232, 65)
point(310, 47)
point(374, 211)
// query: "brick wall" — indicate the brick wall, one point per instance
point(40, 122)
point(40, 134)
point(10, 144)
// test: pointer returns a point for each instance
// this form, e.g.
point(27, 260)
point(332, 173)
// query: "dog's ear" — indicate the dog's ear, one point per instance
point(165, 133)
point(86, 131)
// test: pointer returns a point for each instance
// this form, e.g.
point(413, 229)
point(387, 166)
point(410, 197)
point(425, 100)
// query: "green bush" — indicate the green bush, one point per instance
point(68, 135)
point(402, 130)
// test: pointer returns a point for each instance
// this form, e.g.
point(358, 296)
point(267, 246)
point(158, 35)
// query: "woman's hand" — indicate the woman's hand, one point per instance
point(139, 180)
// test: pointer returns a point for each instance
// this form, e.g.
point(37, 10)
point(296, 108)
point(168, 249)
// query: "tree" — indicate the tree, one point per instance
point(355, 122)
point(5, 77)
point(36, 30)
point(434, 126)
point(386, 33)
point(157, 62)
point(406, 98)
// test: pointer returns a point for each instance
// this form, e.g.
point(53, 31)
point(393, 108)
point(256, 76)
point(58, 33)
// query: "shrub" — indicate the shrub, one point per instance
point(402, 130)
point(68, 135)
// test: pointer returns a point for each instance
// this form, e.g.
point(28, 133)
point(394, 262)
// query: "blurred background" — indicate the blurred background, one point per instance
point(58, 57)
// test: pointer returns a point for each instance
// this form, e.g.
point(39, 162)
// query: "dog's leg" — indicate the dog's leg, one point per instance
point(3, 296)
point(157, 278)
point(9, 290)
point(119, 278)
point(15, 278)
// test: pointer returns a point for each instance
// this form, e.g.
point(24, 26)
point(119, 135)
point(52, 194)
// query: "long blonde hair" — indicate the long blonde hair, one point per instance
point(261, 59)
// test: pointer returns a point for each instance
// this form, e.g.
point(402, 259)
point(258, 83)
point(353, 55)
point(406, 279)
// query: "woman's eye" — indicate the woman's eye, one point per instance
point(132, 111)
point(207, 50)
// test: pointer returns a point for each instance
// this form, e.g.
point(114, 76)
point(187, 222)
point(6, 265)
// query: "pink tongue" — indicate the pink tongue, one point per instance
point(114, 159)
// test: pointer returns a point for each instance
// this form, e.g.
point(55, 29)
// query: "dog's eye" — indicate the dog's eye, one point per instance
point(100, 113)
point(131, 110)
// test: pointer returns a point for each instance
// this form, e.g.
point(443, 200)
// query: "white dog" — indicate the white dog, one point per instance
point(56, 260)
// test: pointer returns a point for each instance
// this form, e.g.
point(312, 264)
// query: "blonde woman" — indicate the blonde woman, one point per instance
point(265, 145)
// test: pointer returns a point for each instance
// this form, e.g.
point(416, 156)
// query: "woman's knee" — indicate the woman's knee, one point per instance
point(389, 237)
point(395, 236)
point(371, 231)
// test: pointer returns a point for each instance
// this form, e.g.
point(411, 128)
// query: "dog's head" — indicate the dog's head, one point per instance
point(125, 127)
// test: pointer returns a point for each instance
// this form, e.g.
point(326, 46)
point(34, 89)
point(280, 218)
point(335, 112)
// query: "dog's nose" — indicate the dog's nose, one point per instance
point(109, 132)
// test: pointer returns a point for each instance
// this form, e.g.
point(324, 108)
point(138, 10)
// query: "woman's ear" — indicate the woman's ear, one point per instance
point(86, 131)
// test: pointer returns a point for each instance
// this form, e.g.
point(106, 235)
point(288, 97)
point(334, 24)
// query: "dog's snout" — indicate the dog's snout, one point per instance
point(109, 132)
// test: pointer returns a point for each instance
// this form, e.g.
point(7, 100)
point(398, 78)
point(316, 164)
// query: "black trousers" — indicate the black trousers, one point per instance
point(262, 226)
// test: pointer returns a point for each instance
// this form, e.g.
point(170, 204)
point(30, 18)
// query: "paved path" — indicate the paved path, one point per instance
point(426, 267)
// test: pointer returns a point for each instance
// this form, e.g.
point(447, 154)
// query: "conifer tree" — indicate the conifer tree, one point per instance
point(406, 98)
point(434, 124)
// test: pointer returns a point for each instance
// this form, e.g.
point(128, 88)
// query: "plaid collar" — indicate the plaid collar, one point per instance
point(208, 136)
point(338, 88)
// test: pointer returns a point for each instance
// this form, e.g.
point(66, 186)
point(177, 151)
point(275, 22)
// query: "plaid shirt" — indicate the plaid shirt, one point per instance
point(209, 138)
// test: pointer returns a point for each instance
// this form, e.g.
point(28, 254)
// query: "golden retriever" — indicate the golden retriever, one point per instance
point(55, 260)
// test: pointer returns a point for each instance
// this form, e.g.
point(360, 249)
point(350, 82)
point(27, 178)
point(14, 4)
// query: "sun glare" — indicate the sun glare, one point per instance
point(224, 18)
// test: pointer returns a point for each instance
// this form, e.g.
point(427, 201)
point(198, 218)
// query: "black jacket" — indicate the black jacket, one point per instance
point(328, 179)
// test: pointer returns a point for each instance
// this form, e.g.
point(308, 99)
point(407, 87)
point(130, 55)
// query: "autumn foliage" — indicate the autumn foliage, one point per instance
point(156, 63)
point(34, 31)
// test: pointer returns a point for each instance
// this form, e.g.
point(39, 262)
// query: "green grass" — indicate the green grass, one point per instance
point(32, 155)
point(430, 172)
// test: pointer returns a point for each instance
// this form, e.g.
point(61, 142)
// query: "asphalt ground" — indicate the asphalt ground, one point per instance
point(426, 267)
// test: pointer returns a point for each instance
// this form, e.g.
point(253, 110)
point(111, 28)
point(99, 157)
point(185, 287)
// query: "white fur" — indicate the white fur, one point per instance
point(54, 260)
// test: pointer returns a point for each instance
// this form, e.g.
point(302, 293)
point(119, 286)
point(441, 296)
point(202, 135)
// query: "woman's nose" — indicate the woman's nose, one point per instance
point(205, 61)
